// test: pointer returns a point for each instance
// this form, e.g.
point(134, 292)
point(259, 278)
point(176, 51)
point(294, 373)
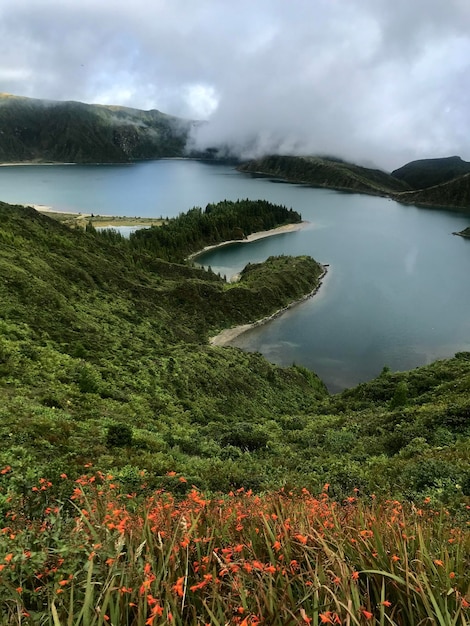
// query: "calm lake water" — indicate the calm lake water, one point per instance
point(396, 292)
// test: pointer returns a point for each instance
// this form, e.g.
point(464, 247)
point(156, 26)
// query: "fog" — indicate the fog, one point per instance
point(372, 81)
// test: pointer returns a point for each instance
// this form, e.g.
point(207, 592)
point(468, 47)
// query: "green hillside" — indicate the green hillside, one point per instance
point(104, 359)
point(430, 172)
point(74, 132)
point(454, 194)
point(326, 172)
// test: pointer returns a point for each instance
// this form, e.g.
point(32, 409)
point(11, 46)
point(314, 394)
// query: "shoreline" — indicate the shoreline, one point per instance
point(99, 220)
point(26, 163)
point(226, 336)
point(279, 230)
point(45, 208)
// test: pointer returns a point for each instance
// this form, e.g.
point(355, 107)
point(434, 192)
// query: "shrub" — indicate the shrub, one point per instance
point(119, 435)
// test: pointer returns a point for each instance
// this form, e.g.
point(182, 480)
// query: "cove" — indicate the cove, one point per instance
point(396, 293)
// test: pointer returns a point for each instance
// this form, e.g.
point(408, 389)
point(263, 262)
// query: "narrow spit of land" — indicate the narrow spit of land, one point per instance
point(224, 338)
point(227, 336)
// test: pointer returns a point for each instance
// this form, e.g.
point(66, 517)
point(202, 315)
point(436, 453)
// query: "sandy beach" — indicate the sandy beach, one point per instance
point(287, 228)
point(44, 208)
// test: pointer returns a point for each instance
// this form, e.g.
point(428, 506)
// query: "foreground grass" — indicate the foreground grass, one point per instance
point(104, 556)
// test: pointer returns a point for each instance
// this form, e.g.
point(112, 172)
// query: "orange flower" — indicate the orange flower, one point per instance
point(367, 614)
point(355, 575)
point(325, 618)
point(178, 588)
point(301, 538)
point(438, 562)
point(386, 603)
point(305, 617)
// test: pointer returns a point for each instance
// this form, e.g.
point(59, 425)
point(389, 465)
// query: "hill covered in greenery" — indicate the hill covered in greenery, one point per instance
point(454, 194)
point(74, 132)
point(426, 173)
point(198, 228)
point(104, 359)
point(326, 172)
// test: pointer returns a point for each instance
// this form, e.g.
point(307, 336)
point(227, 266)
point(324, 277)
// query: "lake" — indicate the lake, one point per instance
point(396, 293)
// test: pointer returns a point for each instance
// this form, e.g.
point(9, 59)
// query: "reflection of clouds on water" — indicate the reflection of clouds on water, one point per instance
point(430, 354)
point(410, 260)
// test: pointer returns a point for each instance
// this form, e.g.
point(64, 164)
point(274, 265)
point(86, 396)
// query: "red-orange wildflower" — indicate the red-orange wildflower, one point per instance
point(178, 587)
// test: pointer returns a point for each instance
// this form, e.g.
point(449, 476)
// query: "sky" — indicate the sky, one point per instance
point(378, 82)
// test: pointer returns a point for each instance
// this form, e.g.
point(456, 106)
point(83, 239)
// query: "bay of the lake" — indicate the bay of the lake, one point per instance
point(396, 293)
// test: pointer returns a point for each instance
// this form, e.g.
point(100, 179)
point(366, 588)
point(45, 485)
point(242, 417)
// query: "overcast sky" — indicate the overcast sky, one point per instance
point(375, 81)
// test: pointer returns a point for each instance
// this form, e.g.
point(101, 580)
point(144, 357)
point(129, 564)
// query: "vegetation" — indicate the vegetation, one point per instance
point(326, 172)
point(454, 194)
point(443, 183)
point(73, 132)
point(104, 360)
point(110, 556)
point(464, 233)
point(217, 223)
point(98, 334)
point(430, 172)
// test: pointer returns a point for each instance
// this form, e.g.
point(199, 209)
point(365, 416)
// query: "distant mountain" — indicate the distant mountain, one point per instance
point(453, 194)
point(326, 172)
point(430, 172)
point(42, 130)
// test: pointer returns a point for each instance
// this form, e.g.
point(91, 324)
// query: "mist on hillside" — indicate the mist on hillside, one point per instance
point(371, 81)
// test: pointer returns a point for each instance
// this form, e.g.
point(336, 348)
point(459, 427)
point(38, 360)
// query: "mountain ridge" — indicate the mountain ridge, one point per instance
point(71, 131)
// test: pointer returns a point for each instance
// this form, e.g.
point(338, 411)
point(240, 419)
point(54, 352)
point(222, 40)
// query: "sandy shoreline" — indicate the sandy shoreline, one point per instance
point(28, 163)
point(225, 337)
point(44, 208)
point(287, 228)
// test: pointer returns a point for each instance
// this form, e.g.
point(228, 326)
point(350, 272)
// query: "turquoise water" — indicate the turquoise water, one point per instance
point(396, 292)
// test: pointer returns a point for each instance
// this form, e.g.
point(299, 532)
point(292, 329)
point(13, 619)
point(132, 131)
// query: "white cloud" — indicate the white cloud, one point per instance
point(370, 80)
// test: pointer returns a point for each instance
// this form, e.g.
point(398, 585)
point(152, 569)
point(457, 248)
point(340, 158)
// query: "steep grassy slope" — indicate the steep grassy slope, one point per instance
point(104, 358)
point(95, 333)
point(323, 172)
point(430, 172)
point(43, 130)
